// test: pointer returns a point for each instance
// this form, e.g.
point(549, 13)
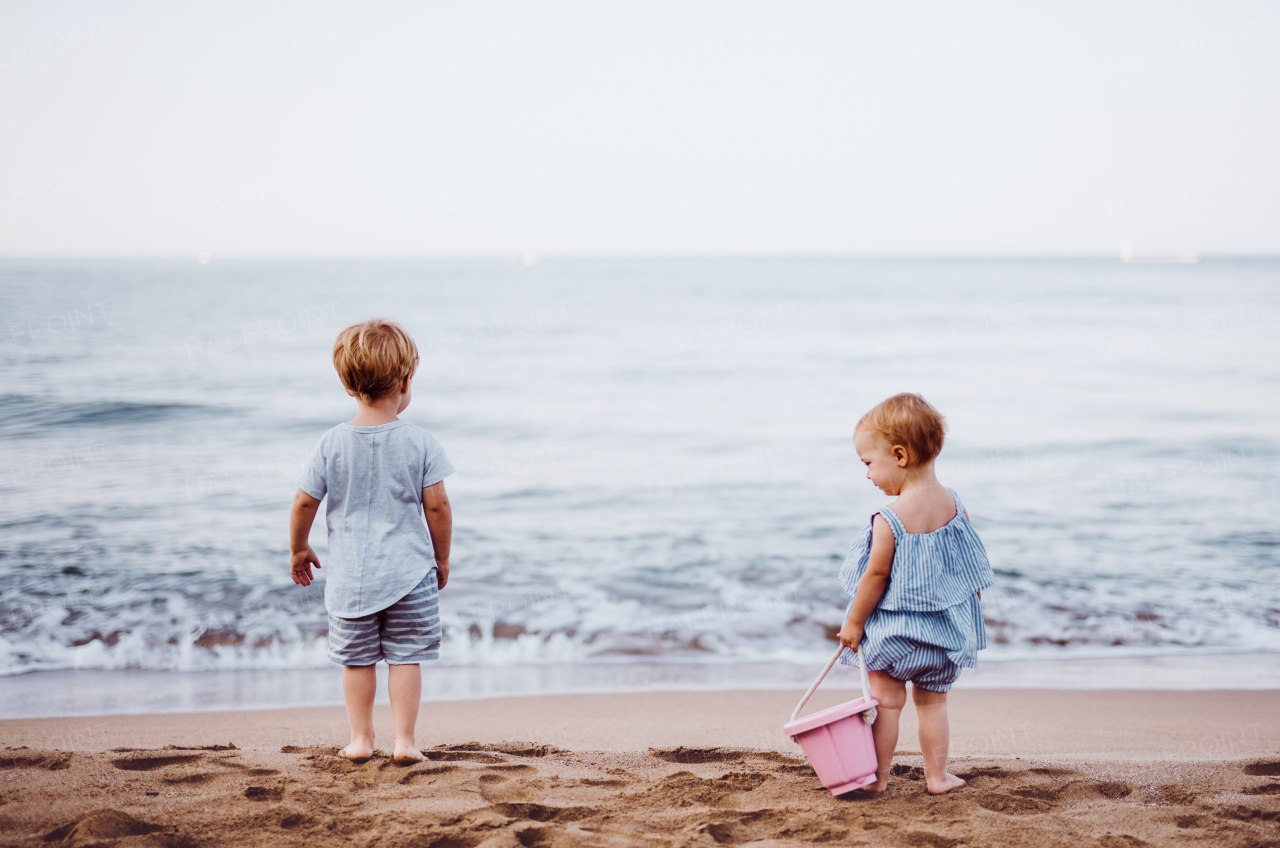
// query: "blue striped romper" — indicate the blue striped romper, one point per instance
point(929, 623)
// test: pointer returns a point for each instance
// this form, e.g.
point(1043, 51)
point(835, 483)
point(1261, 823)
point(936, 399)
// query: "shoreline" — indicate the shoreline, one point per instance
point(1104, 724)
point(88, 693)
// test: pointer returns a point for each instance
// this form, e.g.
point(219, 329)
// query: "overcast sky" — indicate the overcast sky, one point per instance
point(309, 128)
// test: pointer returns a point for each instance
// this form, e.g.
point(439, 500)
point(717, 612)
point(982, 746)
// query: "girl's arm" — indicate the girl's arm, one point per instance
point(872, 585)
point(966, 518)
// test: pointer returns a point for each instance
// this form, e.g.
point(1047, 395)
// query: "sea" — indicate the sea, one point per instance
point(656, 482)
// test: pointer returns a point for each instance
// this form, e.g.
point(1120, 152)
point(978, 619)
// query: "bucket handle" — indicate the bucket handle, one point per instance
point(869, 714)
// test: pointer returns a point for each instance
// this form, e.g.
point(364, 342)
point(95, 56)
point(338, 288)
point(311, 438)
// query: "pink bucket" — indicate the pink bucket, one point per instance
point(838, 740)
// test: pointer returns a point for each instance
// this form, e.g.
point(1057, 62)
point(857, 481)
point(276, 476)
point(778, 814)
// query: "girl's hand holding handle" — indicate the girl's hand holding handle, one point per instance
point(872, 585)
point(850, 635)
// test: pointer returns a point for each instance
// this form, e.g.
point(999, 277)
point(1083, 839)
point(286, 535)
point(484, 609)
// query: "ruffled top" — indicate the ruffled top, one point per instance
point(931, 571)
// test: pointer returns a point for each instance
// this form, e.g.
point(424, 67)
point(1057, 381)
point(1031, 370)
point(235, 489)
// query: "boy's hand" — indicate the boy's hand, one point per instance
point(850, 635)
point(435, 503)
point(300, 566)
point(300, 518)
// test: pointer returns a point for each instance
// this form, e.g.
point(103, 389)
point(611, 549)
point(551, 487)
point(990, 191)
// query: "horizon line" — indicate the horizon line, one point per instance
point(519, 256)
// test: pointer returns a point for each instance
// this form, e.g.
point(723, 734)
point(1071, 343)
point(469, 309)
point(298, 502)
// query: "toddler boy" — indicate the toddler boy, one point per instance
point(386, 566)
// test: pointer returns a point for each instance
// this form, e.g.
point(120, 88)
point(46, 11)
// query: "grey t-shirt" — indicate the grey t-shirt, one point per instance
point(379, 547)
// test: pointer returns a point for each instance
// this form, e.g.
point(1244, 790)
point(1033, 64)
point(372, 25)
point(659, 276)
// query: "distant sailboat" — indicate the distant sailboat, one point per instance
point(1129, 257)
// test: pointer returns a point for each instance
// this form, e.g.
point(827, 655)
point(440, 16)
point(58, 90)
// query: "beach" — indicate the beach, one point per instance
point(655, 490)
point(573, 351)
point(1044, 767)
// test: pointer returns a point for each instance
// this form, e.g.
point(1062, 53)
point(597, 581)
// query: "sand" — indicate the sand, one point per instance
point(1044, 768)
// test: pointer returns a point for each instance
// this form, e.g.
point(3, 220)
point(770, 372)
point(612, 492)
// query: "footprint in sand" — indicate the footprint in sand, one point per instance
point(461, 756)
point(102, 825)
point(684, 788)
point(228, 747)
point(909, 772)
point(1265, 789)
point(1012, 805)
point(924, 839)
point(1121, 840)
point(501, 788)
point(1041, 793)
point(264, 793)
point(805, 769)
point(195, 779)
point(1263, 768)
point(419, 771)
point(696, 756)
point(1113, 789)
point(543, 812)
point(733, 829)
point(986, 771)
point(514, 749)
point(1242, 813)
point(145, 763)
point(1176, 793)
point(313, 750)
point(24, 758)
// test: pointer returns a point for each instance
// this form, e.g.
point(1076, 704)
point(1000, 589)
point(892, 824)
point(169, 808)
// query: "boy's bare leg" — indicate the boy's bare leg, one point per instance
point(404, 683)
point(935, 739)
point(892, 695)
point(359, 683)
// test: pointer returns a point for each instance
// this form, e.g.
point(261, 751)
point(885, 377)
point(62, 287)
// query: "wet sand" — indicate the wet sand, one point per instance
point(1044, 768)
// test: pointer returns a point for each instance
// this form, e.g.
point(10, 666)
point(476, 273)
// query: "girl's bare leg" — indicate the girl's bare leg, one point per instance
point(359, 683)
point(935, 739)
point(404, 684)
point(892, 695)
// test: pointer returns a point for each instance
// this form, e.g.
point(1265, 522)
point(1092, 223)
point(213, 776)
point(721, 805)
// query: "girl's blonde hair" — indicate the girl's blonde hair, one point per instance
point(909, 420)
point(374, 357)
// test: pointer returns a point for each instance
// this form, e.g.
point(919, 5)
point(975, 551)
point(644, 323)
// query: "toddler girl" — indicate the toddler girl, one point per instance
point(915, 573)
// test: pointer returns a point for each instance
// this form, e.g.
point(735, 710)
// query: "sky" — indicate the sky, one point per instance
point(655, 128)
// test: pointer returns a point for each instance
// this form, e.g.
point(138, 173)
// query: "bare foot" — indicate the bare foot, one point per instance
point(879, 786)
point(949, 781)
point(406, 755)
point(357, 751)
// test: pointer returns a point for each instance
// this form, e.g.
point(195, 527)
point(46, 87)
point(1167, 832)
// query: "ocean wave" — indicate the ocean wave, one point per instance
point(659, 471)
point(25, 415)
point(172, 622)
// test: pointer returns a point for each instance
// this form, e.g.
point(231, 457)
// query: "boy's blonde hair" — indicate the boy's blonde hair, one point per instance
point(374, 357)
point(909, 420)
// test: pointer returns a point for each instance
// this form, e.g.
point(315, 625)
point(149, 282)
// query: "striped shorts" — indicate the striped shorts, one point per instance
point(404, 633)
